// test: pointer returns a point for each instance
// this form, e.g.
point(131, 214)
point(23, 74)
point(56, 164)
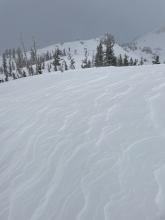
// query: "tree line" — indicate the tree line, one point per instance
point(18, 63)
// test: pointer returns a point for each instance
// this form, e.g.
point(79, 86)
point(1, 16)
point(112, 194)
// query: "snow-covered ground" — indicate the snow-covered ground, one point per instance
point(77, 50)
point(84, 145)
point(151, 42)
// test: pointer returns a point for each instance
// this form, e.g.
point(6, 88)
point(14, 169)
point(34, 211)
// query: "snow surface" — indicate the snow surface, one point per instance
point(154, 40)
point(77, 50)
point(84, 145)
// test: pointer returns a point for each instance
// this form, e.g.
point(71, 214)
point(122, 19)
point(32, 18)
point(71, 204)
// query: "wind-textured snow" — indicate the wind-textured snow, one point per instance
point(84, 145)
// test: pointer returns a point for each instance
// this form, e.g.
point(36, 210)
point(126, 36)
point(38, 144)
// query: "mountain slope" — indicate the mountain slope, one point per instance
point(151, 44)
point(84, 145)
point(76, 50)
point(77, 47)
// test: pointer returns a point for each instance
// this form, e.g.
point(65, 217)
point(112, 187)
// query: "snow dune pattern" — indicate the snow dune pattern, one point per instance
point(84, 145)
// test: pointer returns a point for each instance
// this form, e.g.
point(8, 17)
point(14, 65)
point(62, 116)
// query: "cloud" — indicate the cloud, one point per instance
point(63, 20)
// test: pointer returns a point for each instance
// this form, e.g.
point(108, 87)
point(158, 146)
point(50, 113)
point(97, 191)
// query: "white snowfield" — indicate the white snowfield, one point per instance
point(153, 40)
point(84, 145)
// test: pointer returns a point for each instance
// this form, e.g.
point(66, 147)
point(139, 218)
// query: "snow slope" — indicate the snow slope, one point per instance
point(77, 50)
point(154, 40)
point(77, 47)
point(84, 145)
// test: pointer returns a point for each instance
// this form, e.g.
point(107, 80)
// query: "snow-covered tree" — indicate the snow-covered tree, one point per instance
point(110, 59)
point(56, 59)
point(156, 60)
point(99, 58)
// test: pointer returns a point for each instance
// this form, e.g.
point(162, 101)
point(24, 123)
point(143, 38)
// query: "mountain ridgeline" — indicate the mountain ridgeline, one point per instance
point(20, 62)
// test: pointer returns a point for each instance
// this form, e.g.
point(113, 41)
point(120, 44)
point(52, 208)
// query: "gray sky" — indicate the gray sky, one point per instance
point(52, 21)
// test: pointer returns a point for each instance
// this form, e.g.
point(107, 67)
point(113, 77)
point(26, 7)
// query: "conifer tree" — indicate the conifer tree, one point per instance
point(35, 59)
point(56, 61)
point(99, 58)
point(43, 65)
point(156, 60)
point(13, 65)
point(39, 68)
point(23, 73)
point(141, 61)
point(109, 53)
point(120, 60)
point(31, 70)
point(71, 60)
point(89, 64)
point(85, 60)
point(72, 64)
point(65, 65)
point(10, 67)
point(86, 63)
point(4, 64)
point(126, 63)
point(13, 53)
point(13, 75)
point(135, 62)
point(19, 58)
point(49, 67)
point(131, 63)
point(64, 52)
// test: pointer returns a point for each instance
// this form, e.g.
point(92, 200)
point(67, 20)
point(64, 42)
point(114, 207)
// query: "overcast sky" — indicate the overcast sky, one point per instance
point(52, 21)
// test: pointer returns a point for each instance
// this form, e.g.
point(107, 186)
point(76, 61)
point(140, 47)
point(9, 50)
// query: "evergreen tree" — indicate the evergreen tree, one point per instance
point(65, 65)
point(35, 59)
point(49, 67)
point(93, 61)
point(31, 71)
point(23, 73)
point(89, 64)
point(43, 65)
point(156, 60)
point(13, 75)
point(141, 61)
point(13, 53)
point(72, 62)
point(4, 64)
point(131, 63)
point(85, 60)
point(32, 57)
point(120, 61)
point(135, 62)
point(56, 61)
point(47, 56)
point(19, 58)
point(109, 53)
point(86, 63)
point(64, 52)
point(13, 65)
point(99, 58)
point(114, 61)
point(10, 67)
point(39, 68)
point(126, 63)
point(26, 62)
